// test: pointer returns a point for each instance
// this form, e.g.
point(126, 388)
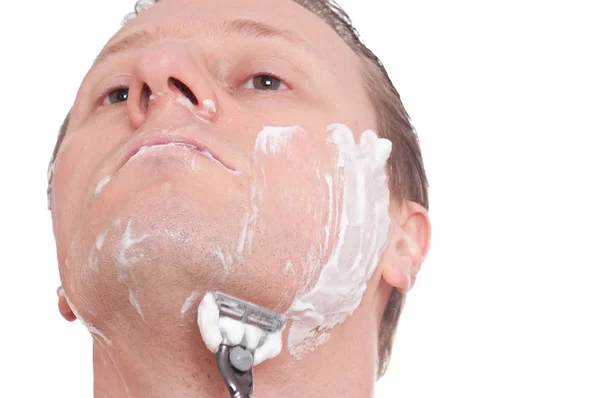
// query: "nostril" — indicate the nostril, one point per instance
point(145, 98)
point(185, 90)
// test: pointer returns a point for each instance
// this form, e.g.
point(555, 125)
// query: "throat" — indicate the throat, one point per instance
point(144, 368)
point(178, 364)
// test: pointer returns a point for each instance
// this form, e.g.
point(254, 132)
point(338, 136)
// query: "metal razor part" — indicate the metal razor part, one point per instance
point(248, 313)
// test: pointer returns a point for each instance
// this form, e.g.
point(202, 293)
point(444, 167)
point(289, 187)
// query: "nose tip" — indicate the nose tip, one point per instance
point(166, 73)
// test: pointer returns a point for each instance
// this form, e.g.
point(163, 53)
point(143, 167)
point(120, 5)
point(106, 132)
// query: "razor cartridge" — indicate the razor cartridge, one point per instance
point(249, 313)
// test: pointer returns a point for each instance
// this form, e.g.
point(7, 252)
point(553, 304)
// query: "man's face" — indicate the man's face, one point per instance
point(207, 202)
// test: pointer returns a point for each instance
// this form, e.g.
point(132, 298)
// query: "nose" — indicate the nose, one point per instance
point(165, 72)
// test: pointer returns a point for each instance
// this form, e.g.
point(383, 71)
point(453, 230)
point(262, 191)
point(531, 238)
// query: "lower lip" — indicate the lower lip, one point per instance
point(177, 146)
point(146, 149)
point(160, 141)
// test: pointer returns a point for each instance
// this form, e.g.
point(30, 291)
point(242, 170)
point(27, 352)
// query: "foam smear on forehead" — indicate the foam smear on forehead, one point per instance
point(360, 207)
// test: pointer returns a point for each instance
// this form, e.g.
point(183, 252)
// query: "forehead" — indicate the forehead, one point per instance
point(211, 20)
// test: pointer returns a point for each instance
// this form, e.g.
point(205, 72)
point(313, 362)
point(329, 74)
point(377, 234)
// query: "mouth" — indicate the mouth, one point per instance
point(138, 147)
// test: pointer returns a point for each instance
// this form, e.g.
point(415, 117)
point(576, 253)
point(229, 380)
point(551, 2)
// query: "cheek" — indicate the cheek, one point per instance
point(294, 193)
point(70, 170)
point(74, 170)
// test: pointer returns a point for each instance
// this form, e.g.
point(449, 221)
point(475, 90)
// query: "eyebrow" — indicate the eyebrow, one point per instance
point(237, 27)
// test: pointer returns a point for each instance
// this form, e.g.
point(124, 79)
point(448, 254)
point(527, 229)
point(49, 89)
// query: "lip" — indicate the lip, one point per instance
point(163, 139)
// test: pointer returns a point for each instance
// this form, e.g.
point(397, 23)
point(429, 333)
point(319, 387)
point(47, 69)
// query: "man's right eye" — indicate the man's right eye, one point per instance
point(115, 96)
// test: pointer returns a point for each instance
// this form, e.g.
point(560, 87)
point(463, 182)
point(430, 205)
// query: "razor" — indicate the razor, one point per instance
point(235, 362)
point(249, 313)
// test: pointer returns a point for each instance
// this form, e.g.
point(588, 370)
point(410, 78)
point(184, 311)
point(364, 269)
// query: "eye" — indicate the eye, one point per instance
point(265, 82)
point(115, 96)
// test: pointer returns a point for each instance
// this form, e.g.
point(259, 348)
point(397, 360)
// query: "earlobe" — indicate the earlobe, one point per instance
point(63, 305)
point(408, 244)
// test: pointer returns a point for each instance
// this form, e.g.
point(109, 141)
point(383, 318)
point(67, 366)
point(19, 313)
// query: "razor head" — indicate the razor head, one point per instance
point(249, 313)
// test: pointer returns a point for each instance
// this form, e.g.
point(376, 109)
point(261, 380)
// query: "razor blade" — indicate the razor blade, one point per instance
point(249, 313)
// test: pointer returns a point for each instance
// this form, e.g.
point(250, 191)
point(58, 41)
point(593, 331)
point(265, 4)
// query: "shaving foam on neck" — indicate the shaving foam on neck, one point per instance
point(360, 214)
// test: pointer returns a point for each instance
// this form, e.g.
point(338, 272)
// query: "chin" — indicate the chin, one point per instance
point(160, 233)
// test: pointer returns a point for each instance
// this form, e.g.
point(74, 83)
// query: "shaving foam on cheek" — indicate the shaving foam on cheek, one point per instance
point(100, 185)
point(360, 212)
point(270, 140)
point(275, 139)
point(216, 329)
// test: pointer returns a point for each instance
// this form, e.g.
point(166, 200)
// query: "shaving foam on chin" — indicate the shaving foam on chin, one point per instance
point(359, 212)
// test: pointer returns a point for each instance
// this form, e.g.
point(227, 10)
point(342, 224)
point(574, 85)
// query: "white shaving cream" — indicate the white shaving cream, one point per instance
point(189, 302)
point(93, 260)
point(49, 192)
point(100, 185)
point(361, 209)
point(216, 329)
point(126, 262)
point(185, 102)
point(209, 106)
point(275, 139)
point(100, 240)
point(243, 233)
point(225, 259)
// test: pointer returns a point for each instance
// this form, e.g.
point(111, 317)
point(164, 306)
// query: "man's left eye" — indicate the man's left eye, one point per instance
point(265, 82)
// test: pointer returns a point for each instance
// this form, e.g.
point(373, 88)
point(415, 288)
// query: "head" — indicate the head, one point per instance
point(215, 198)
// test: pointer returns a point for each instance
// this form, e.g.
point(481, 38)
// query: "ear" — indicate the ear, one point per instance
point(63, 305)
point(408, 244)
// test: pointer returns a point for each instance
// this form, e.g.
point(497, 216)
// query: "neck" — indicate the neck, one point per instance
point(176, 363)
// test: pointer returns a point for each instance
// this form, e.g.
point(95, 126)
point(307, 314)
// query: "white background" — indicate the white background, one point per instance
point(506, 99)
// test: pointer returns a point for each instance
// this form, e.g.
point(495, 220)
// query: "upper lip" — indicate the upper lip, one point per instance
point(162, 138)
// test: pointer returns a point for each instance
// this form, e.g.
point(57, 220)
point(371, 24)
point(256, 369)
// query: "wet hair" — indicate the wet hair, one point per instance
point(405, 165)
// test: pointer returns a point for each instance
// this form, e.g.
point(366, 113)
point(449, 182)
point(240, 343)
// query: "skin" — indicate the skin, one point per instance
point(177, 206)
